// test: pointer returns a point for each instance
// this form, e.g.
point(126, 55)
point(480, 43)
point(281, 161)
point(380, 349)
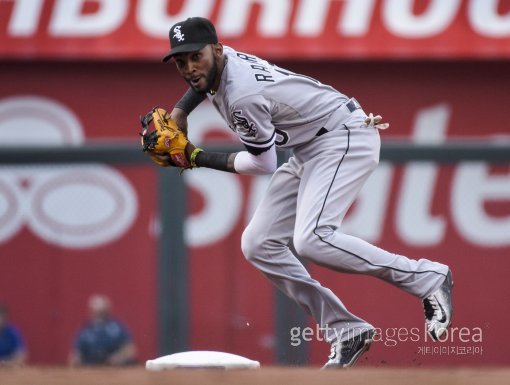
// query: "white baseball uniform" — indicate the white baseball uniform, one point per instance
point(308, 197)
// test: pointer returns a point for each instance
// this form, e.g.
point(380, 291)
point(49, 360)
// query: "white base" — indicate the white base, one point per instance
point(201, 359)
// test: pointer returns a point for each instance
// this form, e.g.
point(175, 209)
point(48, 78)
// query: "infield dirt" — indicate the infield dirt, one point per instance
point(264, 376)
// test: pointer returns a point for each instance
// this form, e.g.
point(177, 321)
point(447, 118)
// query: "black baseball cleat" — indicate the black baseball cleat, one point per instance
point(345, 354)
point(438, 309)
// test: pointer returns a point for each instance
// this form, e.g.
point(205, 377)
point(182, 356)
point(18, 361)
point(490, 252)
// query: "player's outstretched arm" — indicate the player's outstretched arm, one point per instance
point(221, 161)
point(167, 146)
point(240, 162)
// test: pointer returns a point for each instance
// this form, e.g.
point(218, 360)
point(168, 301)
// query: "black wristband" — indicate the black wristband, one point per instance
point(215, 160)
point(190, 100)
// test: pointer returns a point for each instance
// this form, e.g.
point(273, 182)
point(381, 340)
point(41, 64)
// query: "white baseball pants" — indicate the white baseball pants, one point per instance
point(301, 214)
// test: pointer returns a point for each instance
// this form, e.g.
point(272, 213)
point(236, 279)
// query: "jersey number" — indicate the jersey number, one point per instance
point(282, 138)
point(287, 73)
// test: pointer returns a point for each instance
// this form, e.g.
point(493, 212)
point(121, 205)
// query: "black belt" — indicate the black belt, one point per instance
point(352, 105)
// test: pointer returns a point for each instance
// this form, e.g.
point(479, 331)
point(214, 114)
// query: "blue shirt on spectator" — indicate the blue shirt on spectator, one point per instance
point(11, 341)
point(96, 341)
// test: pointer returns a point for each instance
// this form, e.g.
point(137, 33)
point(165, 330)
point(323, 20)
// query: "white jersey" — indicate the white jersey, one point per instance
point(309, 195)
point(265, 104)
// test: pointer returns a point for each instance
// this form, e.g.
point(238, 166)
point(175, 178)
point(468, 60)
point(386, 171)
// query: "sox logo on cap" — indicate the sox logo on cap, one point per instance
point(178, 34)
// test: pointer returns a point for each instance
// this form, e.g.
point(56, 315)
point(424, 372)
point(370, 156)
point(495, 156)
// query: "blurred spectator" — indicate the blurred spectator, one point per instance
point(12, 346)
point(103, 340)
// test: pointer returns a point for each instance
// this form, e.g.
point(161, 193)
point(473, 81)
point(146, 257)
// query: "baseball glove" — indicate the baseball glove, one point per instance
point(166, 145)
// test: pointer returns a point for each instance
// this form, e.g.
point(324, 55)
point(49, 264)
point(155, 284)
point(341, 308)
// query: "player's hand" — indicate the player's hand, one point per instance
point(181, 120)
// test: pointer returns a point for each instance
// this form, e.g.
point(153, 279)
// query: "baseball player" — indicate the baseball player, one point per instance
point(335, 149)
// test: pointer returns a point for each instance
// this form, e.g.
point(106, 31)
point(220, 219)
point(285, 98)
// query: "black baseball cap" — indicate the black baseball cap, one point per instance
point(190, 35)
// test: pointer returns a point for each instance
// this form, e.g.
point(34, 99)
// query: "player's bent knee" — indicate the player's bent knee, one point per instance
point(308, 245)
point(257, 246)
point(305, 246)
point(250, 244)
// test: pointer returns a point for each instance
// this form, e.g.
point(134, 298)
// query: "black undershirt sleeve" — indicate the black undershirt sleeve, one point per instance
point(215, 160)
point(190, 100)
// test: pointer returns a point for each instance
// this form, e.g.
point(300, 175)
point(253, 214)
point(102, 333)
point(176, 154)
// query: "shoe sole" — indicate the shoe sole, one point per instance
point(365, 348)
